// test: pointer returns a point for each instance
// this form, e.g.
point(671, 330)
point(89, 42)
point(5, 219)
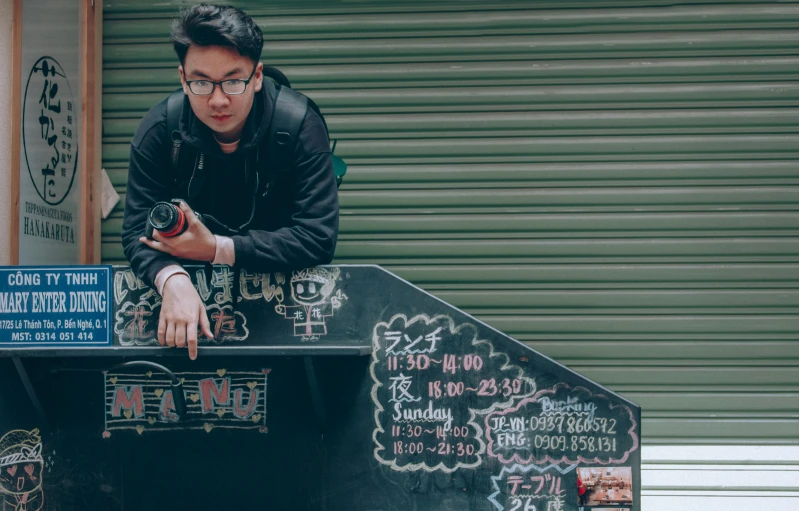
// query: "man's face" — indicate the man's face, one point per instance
point(224, 114)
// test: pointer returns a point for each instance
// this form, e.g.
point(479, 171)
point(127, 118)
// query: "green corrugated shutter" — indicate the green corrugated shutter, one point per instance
point(615, 183)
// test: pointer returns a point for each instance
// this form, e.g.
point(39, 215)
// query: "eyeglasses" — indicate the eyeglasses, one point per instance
point(229, 87)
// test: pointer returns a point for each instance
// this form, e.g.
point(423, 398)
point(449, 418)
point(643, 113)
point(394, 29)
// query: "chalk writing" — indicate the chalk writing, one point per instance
point(258, 286)
point(138, 307)
point(222, 399)
point(532, 487)
point(227, 324)
point(427, 392)
point(308, 298)
point(136, 324)
point(125, 281)
point(223, 279)
point(562, 425)
point(402, 344)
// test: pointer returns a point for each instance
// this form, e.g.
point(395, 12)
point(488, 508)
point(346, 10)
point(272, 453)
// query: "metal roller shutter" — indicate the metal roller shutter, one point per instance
point(615, 184)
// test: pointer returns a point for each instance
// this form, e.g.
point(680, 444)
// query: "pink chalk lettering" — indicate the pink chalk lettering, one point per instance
point(128, 398)
point(238, 410)
point(212, 393)
point(167, 407)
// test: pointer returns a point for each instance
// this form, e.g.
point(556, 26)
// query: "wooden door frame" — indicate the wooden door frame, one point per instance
point(91, 21)
point(16, 131)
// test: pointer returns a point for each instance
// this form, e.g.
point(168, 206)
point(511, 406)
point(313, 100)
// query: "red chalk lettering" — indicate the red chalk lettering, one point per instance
point(128, 398)
point(239, 410)
point(167, 407)
point(212, 393)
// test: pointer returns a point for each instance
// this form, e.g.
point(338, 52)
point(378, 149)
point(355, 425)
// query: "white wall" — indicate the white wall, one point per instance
point(6, 8)
point(720, 478)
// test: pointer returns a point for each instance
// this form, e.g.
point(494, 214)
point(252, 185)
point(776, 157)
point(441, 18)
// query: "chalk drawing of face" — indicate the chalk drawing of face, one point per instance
point(21, 462)
point(312, 286)
point(21, 478)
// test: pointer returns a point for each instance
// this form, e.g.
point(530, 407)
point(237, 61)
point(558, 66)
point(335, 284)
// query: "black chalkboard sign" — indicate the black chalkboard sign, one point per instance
point(449, 398)
point(337, 388)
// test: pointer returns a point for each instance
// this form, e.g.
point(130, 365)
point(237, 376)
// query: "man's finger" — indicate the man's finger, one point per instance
point(157, 236)
point(162, 331)
point(191, 339)
point(190, 216)
point(206, 326)
point(155, 245)
point(180, 336)
point(170, 335)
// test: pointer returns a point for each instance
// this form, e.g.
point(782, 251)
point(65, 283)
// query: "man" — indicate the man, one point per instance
point(262, 224)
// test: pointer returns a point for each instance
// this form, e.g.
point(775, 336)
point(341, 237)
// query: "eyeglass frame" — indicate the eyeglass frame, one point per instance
point(214, 84)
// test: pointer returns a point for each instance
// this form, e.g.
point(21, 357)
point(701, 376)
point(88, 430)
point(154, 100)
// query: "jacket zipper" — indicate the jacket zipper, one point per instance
point(175, 151)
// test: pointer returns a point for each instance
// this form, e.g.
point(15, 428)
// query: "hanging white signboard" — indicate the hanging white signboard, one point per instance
point(51, 107)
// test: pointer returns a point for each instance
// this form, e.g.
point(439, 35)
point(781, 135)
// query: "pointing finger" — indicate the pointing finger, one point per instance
point(191, 339)
point(205, 325)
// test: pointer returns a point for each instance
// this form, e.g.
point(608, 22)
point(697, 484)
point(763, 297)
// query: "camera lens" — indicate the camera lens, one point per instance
point(163, 216)
point(166, 218)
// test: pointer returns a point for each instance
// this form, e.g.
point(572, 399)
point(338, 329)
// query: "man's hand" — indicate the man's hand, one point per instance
point(196, 243)
point(181, 311)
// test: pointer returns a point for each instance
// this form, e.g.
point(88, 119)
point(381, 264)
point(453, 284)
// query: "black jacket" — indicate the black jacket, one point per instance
point(295, 222)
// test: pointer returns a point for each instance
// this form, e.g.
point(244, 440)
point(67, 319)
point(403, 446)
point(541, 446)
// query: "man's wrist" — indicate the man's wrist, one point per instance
point(165, 274)
point(225, 251)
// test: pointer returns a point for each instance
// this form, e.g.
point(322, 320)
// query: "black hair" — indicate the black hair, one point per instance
point(216, 25)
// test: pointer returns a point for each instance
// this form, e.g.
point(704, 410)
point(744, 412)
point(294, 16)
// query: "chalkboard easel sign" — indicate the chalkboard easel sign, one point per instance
point(334, 388)
point(449, 399)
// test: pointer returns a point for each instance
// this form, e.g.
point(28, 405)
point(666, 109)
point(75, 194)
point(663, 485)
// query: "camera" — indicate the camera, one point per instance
point(168, 219)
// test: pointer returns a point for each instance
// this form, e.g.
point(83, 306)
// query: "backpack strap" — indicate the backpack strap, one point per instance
point(280, 79)
point(184, 171)
point(174, 111)
point(284, 128)
point(277, 75)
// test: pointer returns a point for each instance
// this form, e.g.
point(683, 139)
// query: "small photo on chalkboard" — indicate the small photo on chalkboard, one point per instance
point(603, 487)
